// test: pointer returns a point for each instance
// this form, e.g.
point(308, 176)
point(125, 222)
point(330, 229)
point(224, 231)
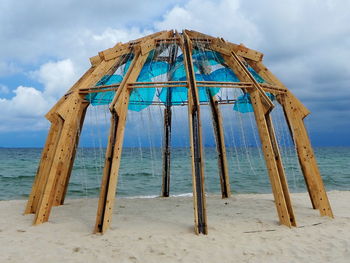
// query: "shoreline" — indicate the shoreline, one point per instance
point(243, 228)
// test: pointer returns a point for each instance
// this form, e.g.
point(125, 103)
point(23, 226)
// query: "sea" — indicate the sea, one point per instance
point(141, 171)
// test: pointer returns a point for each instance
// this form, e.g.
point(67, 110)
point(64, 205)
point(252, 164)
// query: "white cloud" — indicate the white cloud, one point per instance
point(222, 18)
point(24, 110)
point(57, 77)
point(306, 43)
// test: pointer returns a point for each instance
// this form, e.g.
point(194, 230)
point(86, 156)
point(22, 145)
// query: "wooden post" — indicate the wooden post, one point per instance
point(286, 216)
point(295, 112)
point(199, 199)
point(166, 147)
point(220, 145)
point(167, 129)
point(63, 153)
point(280, 168)
point(306, 156)
point(65, 176)
point(45, 163)
point(119, 110)
point(262, 106)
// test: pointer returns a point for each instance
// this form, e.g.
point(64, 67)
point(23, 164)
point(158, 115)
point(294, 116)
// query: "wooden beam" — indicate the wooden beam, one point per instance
point(281, 201)
point(199, 199)
point(268, 76)
point(262, 106)
point(63, 181)
point(220, 145)
point(61, 158)
point(119, 110)
point(280, 168)
point(166, 147)
point(306, 156)
point(45, 164)
point(295, 112)
point(240, 49)
point(234, 62)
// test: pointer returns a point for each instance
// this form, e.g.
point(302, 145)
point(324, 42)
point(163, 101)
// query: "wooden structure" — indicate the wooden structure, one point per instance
point(67, 117)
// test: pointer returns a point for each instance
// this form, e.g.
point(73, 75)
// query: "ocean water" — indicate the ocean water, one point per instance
point(141, 168)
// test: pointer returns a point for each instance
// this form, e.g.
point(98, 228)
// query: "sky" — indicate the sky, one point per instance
point(46, 45)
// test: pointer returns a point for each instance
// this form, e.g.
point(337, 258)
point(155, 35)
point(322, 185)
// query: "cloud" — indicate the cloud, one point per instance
point(25, 110)
point(306, 44)
point(218, 18)
point(22, 111)
point(57, 77)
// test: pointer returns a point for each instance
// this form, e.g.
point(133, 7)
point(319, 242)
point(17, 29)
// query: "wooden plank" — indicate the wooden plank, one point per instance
point(295, 112)
point(119, 109)
point(262, 106)
point(61, 157)
point(306, 156)
point(240, 49)
point(266, 74)
point(45, 164)
point(95, 60)
point(280, 168)
point(266, 144)
point(63, 181)
point(242, 72)
point(220, 145)
point(199, 199)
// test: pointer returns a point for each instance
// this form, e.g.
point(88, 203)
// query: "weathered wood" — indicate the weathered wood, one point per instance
point(262, 106)
point(199, 199)
point(295, 112)
point(240, 49)
point(61, 157)
point(306, 156)
point(220, 145)
point(45, 164)
point(63, 182)
point(119, 109)
point(166, 149)
point(280, 168)
point(266, 144)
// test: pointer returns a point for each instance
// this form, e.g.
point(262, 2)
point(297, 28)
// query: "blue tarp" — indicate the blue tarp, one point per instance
point(203, 61)
point(243, 103)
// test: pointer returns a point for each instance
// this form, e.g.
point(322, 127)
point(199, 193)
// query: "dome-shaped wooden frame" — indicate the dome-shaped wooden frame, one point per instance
point(67, 116)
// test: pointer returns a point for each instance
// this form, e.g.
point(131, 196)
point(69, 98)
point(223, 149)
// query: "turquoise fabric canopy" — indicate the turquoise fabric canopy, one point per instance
point(207, 65)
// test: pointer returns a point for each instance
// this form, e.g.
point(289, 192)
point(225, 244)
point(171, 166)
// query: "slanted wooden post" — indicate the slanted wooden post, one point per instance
point(220, 145)
point(45, 163)
point(306, 156)
point(70, 112)
point(63, 182)
point(199, 199)
point(295, 112)
point(166, 146)
point(262, 106)
point(286, 216)
point(167, 129)
point(119, 110)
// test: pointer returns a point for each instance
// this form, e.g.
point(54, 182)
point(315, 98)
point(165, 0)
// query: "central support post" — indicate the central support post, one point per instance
point(166, 147)
point(220, 145)
point(199, 199)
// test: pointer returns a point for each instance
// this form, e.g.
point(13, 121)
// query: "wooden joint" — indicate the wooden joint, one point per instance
point(147, 46)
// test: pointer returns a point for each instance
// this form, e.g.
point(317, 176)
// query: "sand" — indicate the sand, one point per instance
point(243, 228)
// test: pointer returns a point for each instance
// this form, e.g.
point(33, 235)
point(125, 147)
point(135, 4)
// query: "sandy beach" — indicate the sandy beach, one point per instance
point(243, 228)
